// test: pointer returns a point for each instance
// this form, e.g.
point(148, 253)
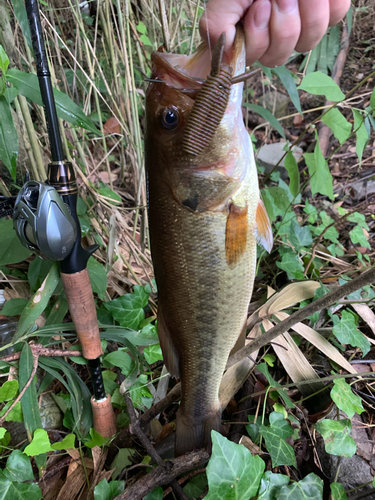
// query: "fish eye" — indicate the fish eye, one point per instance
point(169, 118)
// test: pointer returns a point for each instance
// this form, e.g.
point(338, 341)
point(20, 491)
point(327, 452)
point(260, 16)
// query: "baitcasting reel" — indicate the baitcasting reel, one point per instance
point(43, 221)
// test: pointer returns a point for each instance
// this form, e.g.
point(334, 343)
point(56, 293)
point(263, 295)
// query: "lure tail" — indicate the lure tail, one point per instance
point(193, 433)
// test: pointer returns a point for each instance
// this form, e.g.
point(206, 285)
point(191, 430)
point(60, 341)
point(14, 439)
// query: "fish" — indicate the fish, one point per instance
point(206, 217)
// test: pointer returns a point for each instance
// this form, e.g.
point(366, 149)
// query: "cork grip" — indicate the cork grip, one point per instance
point(82, 308)
point(104, 417)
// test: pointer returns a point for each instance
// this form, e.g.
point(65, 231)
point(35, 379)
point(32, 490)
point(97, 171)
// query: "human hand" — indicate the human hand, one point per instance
point(273, 28)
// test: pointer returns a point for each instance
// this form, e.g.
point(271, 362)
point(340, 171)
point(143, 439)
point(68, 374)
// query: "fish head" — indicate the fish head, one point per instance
point(177, 92)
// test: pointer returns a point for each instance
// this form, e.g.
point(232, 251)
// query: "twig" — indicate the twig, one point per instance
point(164, 25)
point(325, 132)
point(40, 350)
point(135, 428)
point(164, 474)
point(323, 303)
point(33, 372)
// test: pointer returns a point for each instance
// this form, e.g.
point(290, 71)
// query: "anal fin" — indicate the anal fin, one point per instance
point(170, 355)
point(264, 229)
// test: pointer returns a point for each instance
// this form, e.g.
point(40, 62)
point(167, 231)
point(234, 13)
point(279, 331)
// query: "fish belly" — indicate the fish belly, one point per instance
point(203, 305)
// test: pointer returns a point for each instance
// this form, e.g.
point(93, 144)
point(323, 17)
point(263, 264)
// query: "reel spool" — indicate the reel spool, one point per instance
point(43, 222)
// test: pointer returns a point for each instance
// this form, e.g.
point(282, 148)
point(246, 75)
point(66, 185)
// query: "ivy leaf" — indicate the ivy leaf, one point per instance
point(66, 444)
point(3, 431)
point(347, 333)
point(128, 309)
point(98, 277)
point(338, 492)
point(15, 414)
point(345, 398)
point(281, 452)
point(153, 353)
point(10, 490)
point(196, 486)
point(8, 390)
point(270, 484)
point(107, 491)
point(96, 439)
point(141, 28)
point(299, 236)
point(336, 437)
point(40, 444)
point(263, 368)
point(291, 264)
point(361, 134)
point(309, 488)
point(156, 494)
point(340, 127)
point(320, 84)
point(121, 359)
point(232, 472)
point(18, 467)
point(356, 236)
point(140, 393)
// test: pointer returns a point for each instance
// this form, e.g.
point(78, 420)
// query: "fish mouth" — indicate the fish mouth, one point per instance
point(188, 73)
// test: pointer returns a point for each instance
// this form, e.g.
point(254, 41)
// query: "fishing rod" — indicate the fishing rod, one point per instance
point(45, 219)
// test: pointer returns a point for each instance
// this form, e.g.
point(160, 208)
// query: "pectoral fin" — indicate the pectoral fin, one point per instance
point(264, 230)
point(236, 234)
point(169, 352)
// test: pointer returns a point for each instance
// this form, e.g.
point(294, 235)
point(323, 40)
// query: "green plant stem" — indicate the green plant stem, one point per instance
point(193, 27)
point(323, 303)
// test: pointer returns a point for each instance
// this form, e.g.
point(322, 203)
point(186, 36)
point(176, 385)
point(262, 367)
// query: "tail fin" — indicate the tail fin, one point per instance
point(193, 433)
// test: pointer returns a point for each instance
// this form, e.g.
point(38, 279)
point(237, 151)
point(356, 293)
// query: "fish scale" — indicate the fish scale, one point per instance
point(203, 216)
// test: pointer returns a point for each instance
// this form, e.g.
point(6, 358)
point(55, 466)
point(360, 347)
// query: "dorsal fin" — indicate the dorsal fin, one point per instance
point(264, 229)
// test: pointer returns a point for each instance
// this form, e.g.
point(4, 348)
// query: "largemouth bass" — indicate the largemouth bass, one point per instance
point(206, 217)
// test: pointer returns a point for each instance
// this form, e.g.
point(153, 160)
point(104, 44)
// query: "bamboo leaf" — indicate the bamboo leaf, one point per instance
point(8, 138)
point(289, 83)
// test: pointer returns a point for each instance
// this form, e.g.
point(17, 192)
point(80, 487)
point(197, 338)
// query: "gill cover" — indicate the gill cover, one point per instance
point(43, 222)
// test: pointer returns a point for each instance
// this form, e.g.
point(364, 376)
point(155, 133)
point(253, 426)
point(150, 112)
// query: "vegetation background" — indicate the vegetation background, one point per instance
point(304, 417)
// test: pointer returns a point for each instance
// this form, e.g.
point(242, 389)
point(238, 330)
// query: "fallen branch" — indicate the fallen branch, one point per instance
point(323, 303)
point(40, 350)
point(135, 428)
point(164, 474)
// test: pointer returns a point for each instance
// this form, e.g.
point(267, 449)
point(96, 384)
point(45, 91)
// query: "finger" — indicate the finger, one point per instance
point(314, 23)
point(256, 24)
point(222, 15)
point(338, 9)
point(285, 28)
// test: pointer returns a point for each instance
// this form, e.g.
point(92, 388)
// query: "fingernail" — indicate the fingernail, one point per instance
point(262, 15)
point(287, 5)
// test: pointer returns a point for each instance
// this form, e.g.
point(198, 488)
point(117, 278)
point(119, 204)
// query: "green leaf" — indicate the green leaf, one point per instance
point(19, 467)
point(372, 99)
point(107, 491)
point(140, 393)
point(270, 485)
point(109, 193)
point(333, 45)
point(28, 86)
point(196, 486)
point(19, 491)
point(66, 444)
point(29, 400)
point(356, 236)
point(122, 460)
point(291, 264)
point(15, 414)
point(8, 138)
point(141, 28)
point(263, 368)
point(13, 307)
point(232, 472)
point(128, 309)
point(3, 431)
point(11, 250)
point(292, 167)
point(360, 132)
point(120, 359)
point(145, 40)
point(347, 333)
point(299, 236)
point(21, 15)
point(98, 277)
point(338, 492)
point(96, 439)
point(156, 494)
point(309, 488)
point(267, 115)
point(4, 60)
point(340, 127)
point(153, 353)
point(289, 83)
point(336, 437)
point(40, 444)
point(345, 398)
point(38, 302)
point(320, 84)
point(321, 179)
point(38, 270)
point(8, 390)
point(274, 435)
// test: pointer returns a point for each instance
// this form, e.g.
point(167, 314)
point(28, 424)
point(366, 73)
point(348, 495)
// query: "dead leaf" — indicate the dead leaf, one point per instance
point(366, 314)
point(247, 442)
